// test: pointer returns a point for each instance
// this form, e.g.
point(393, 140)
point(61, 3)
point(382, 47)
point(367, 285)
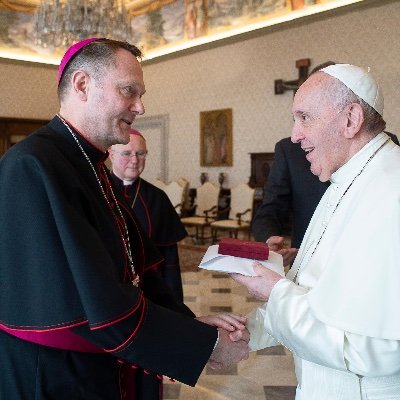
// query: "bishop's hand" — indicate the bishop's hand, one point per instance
point(228, 352)
point(233, 338)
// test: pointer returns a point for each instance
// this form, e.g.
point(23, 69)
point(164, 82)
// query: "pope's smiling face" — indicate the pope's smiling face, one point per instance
point(318, 126)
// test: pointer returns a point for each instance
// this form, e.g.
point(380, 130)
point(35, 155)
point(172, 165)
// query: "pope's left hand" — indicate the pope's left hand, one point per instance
point(261, 285)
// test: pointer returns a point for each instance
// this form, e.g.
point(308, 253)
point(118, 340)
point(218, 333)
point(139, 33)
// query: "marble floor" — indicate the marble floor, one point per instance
point(266, 375)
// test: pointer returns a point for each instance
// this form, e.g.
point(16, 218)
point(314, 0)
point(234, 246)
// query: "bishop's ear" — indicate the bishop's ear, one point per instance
point(355, 119)
point(80, 83)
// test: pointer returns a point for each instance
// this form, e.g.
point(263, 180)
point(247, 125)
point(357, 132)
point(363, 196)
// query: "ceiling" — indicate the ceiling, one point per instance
point(134, 7)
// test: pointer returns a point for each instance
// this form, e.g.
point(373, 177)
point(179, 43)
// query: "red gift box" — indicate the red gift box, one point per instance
point(243, 248)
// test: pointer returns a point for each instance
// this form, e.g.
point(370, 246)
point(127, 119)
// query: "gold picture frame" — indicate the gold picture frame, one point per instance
point(216, 138)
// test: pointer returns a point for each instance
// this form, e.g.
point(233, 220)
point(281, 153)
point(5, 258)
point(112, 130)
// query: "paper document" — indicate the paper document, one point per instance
point(214, 261)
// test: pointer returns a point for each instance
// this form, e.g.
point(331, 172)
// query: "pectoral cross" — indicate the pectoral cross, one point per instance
point(282, 86)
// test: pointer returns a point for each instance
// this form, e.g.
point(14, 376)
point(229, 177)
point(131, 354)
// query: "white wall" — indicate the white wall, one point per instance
point(238, 75)
point(241, 76)
point(27, 90)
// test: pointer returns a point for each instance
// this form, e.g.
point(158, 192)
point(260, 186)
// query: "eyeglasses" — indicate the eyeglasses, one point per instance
point(127, 155)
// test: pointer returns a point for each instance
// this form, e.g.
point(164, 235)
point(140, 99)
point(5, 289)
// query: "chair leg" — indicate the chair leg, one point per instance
point(214, 235)
point(201, 239)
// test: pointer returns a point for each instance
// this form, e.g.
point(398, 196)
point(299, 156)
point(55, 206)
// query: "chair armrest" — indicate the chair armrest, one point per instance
point(186, 211)
point(212, 210)
point(176, 206)
point(222, 211)
point(239, 216)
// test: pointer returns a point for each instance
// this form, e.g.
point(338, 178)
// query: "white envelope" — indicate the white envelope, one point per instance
point(214, 261)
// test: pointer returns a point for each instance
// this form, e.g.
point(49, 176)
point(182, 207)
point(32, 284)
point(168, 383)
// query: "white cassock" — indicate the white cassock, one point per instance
point(341, 319)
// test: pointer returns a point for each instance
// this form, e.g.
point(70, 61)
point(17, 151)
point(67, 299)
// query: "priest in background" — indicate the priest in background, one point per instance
point(151, 206)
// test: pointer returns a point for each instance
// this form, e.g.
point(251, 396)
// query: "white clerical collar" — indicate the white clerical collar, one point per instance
point(349, 170)
point(127, 182)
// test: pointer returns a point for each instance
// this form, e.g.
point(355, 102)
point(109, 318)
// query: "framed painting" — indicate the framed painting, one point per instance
point(216, 138)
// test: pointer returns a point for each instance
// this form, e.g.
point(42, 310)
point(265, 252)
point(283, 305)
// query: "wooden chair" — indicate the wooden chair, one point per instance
point(174, 192)
point(240, 213)
point(159, 183)
point(185, 196)
point(177, 192)
point(206, 207)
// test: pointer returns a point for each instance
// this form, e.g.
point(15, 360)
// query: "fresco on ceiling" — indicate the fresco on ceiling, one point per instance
point(185, 20)
point(179, 22)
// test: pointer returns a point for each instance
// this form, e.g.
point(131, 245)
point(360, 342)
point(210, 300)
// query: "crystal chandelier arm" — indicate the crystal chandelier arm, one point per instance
point(60, 24)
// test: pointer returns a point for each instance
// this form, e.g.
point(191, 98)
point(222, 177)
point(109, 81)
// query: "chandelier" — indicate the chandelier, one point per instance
point(59, 24)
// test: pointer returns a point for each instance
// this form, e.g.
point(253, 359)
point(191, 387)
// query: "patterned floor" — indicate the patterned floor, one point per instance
point(266, 375)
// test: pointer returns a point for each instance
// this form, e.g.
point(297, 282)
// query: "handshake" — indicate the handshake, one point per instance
point(232, 345)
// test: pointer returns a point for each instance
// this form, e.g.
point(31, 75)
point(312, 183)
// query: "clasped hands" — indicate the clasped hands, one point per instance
point(234, 337)
point(233, 340)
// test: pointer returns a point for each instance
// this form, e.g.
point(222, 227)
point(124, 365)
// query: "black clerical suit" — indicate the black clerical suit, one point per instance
point(291, 195)
point(64, 269)
point(158, 218)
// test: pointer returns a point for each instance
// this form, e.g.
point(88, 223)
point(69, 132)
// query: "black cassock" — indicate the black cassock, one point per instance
point(64, 269)
point(158, 218)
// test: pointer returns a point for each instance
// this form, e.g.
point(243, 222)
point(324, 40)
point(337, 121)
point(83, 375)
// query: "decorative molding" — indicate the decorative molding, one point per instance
point(160, 123)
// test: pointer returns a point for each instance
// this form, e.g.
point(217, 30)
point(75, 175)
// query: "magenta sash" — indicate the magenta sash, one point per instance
point(63, 339)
